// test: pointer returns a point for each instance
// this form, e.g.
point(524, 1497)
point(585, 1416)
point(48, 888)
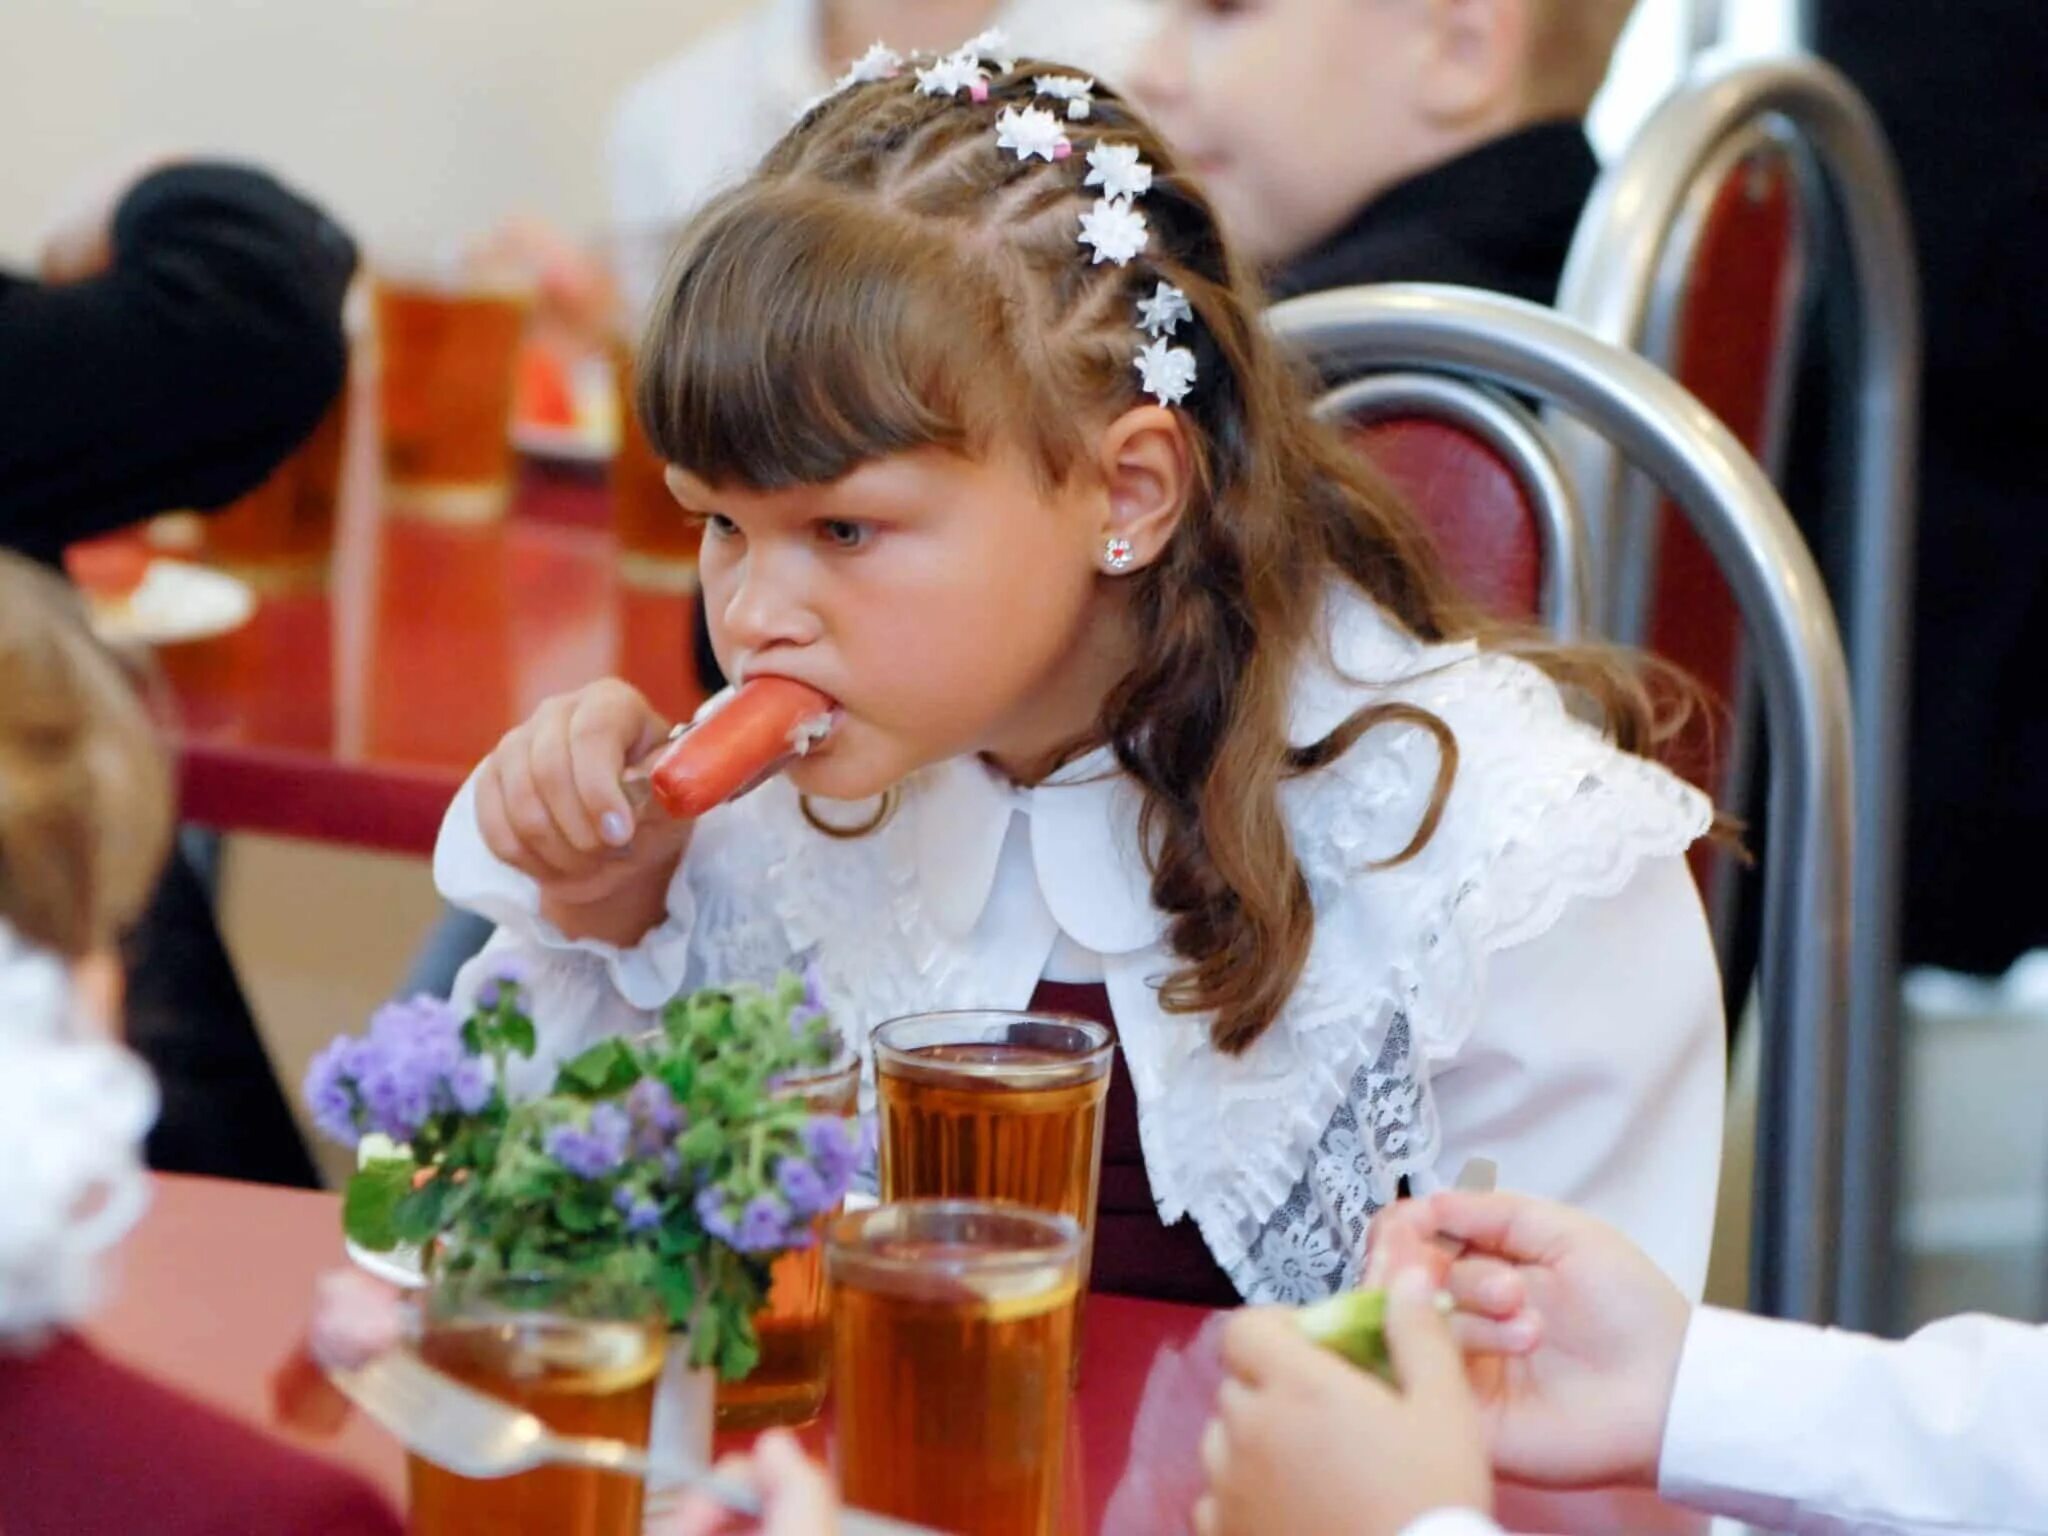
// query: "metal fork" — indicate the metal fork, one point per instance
point(476, 1435)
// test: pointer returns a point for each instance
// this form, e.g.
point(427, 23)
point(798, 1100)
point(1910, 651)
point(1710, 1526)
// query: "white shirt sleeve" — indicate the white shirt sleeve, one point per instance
point(1817, 1431)
point(1596, 1075)
point(581, 990)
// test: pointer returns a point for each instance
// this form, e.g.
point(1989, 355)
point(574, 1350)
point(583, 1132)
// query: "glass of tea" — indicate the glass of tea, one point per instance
point(994, 1106)
point(448, 346)
point(657, 543)
point(787, 1385)
point(952, 1325)
point(583, 1356)
point(281, 534)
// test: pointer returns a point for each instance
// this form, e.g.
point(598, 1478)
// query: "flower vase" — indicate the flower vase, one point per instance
point(679, 1439)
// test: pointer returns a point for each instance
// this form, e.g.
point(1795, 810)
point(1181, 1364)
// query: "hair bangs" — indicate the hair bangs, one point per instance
point(798, 337)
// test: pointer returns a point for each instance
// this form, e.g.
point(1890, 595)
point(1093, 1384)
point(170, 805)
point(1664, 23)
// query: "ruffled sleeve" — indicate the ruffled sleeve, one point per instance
point(1535, 985)
point(720, 926)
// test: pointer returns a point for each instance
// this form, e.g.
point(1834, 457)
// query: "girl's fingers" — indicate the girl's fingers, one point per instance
point(1427, 1359)
point(526, 809)
point(1260, 1341)
point(599, 739)
point(556, 777)
point(1518, 1335)
point(1489, 1287)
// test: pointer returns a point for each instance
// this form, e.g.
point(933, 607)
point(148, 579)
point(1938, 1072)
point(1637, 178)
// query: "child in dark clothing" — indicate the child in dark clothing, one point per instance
point(1362, 141)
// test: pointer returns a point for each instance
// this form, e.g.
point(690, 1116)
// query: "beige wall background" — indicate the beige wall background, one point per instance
point(408, 118)
point(432, 119)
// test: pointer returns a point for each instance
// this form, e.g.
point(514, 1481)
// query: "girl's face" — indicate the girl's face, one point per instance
point(949, 604)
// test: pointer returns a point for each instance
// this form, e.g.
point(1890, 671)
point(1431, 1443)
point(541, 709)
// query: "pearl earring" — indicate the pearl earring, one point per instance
point(1118, 555)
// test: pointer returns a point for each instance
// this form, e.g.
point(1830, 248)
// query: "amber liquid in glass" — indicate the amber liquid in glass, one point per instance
point(788, 1385)
point(446, 395)
point(951, 1405)
point(284, 529)
point(581, 1378)
point(657, 543)
point(946, 1134)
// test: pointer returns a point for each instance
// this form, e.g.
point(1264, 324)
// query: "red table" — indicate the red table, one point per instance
point(350, 710)
point(215, 1285)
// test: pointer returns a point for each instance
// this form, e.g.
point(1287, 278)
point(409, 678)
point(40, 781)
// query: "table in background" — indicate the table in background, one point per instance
point(215, 1285)
point(350, 709)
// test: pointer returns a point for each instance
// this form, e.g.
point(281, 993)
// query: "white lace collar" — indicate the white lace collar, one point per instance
point(1084, 847)
point(1084, 819)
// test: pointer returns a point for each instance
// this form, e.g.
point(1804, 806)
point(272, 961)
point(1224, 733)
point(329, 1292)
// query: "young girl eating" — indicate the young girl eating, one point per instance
point(1151, 704)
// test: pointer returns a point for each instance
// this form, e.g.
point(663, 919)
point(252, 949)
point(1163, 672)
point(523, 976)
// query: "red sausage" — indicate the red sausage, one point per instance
point(765, 722)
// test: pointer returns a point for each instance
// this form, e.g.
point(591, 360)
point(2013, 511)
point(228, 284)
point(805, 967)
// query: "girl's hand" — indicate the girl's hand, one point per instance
point(796, 1495)
point(355, 1319)
point(1305, 1443)
point(549, 803)
point(1586, 1333)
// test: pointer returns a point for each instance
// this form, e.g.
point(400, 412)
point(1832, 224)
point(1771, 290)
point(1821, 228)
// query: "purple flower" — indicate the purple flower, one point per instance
point(655, 1116)
point(832, 1147)
point(469, 1085)
point(641, 1213)
point(711, 1215)
point(811, 1007)
point(329, 1090)
point(764, 1224)
point(503, 984)
point(610, 1125)
point(409, 1065)
point(592, 1151)
point(802, 1188)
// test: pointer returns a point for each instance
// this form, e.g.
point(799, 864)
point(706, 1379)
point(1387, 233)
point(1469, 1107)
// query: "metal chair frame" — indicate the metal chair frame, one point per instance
point(1611, 284)
point(1513, 435)
point(1728, 499)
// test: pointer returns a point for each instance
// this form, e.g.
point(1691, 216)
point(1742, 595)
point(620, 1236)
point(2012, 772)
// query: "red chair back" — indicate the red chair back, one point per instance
point(1477, 472)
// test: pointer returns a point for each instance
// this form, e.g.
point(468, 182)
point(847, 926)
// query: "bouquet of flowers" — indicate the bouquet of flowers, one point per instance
point(667, 1162)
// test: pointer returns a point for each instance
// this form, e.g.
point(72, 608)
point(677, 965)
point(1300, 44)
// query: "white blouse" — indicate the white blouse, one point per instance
point(1793, 1428)
point(1536, 986)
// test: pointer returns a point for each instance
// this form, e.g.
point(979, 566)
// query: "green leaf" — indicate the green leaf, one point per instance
point(369, 1207)
point(518, 1034)
point(582, 1210)
point(473, 1035)
point(702, 1142)
point(606, 1068)
point(678, 1292)
point(421, 1213)
point(738, 1352)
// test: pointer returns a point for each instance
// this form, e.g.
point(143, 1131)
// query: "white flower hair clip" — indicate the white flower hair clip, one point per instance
point(1166, 372)
point(1032, 131)
point(1115, 229)
point(1162, 314)
point(1072, 89)
point(994, 46)
point(1117, 169)
point(880, 62)
point(955, 73)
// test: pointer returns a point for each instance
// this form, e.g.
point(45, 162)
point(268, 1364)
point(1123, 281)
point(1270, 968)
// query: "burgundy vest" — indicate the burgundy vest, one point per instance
point(1135, 1253)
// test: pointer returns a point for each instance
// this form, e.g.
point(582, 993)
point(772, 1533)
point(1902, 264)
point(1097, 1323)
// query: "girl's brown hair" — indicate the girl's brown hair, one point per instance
point(889, 279)
point(85, 797)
